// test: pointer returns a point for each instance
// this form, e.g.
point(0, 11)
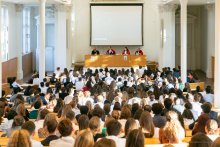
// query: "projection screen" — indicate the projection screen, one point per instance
point(118, 24)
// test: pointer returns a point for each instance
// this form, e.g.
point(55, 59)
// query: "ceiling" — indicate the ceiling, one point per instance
point(190, 2)
point(37, 1)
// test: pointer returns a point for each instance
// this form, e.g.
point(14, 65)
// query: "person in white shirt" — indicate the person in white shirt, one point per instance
point(69, 98)
point(209, 97)
point(108, 79)
point(113, 129)
point(80, 84)
point(65, 129)
point(30, 127)
point(58, 72)
point(196, 105)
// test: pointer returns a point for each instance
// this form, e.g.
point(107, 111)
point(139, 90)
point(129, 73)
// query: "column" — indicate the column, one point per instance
point(19, 24)
point(183, 36)
point(61, 36)
point(167, 13)
point(0, 53)
point(42, 40)
point(210, 38)
point(217, 55)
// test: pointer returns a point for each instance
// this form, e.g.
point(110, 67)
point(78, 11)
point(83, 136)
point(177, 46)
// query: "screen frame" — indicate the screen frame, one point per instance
point(118, 4)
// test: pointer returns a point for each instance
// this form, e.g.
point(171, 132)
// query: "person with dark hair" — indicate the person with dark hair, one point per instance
point(138, 52)
point(209, 97)
point(65, 129)
point(158, 120)
point(110, 51)
point(126, 51)
point(113, 129)
point(51, 127)
point(95, 52)
point(37, 105)
point(200, 140)
point(30, 127)
point(135, 139)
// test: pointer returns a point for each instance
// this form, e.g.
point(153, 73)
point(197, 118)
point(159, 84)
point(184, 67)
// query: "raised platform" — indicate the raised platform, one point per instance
point(115, 60)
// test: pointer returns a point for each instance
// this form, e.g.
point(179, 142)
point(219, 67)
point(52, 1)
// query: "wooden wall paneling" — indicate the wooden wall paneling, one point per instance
point(27, 64)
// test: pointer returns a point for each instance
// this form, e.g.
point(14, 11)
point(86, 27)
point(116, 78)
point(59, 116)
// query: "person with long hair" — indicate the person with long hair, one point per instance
point(20, 138)
point(173, 131)
point(146, 124)
point(135, 139)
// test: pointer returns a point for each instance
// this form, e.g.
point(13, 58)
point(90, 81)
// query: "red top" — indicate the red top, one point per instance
point(126, 52)
point(140, 52)
point(111, 52)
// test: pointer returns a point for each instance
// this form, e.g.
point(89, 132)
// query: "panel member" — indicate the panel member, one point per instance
point(95, 52)
point(139, 52)
point(110, 51)
point(126, 51)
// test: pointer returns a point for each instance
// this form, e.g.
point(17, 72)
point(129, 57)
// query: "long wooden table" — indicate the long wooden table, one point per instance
point(115, 60)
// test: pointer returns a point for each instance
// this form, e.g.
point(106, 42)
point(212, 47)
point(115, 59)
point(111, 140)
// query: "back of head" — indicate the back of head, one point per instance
point(135, 139)
point(157, 108)
point(84, 110)
point(200, 140)
point(83, 122)
point(51, 126)
point(29, 126)
point(206, 107)
point(65, 127)
point(212, 127)
point(146, 123)
point(42, 113)
point(113, 128)
point(84, 139)
point(94, 123)
point(130, 125)
point(37, 104)
point(20, 138)
point(168, 103)
point(104, 142)
point(18, 121)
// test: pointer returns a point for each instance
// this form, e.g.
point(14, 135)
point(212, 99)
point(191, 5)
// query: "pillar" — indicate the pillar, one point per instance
point(167, 14)
point(210, 39)
point(0, 53)
point(217, 55)
point(183, 36)
point(42, 40)
point(19, 9)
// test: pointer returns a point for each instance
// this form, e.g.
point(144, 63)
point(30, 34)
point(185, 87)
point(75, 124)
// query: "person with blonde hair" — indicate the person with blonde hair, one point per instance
point(173, 132)
point(84, 139)
point(211, 129)
point(20, 138)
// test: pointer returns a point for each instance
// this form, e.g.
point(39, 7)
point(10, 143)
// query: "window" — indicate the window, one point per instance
point(26, 30)
point(4, 33)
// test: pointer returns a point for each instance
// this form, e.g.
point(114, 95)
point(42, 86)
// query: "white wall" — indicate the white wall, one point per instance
point(81, 32)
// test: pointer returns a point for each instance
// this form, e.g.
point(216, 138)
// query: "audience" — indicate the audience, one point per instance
point(110, 107)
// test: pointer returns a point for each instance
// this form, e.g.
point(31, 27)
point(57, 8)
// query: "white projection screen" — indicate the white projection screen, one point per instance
point(118, 24)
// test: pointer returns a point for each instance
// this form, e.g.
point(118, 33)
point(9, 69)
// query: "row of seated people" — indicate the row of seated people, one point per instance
point(112, 51)
point(152, 107)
